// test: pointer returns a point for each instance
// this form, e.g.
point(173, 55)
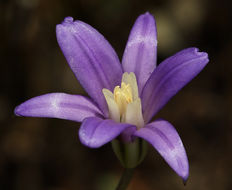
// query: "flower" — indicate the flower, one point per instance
point(125, 109)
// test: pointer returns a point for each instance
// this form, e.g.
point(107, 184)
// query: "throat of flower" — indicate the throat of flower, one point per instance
point(124, 103)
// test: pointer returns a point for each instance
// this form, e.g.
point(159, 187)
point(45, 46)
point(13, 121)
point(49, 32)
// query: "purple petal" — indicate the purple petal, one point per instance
point(59, 105)
point(165, 139)
point(95, 132)
point(140, 53)
point(91, 58)
point(169, 77)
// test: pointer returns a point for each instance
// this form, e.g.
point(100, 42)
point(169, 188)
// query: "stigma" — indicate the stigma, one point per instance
point(124, 103)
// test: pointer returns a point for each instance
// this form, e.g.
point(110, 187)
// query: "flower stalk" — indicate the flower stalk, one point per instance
point(125, 179)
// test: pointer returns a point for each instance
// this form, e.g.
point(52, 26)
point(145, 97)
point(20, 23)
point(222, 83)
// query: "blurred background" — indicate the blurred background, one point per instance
point(46, 154)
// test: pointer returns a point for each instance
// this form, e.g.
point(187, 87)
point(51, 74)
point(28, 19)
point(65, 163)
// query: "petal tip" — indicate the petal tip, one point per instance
point(86, 142)
point(198, 52)
point(66, 25)
point(203, 56)
point(18, 111)
point(68, 19)
point(146, 17)
point(147, 14)
point(185, 179)
point(184, 173)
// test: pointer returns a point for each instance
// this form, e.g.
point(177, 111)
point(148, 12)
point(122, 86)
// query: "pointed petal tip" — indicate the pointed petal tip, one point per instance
point(185, 180)
point(147, 14)
point(21, 110)
point(17, 110)
point(148, 18)
point(184, 176)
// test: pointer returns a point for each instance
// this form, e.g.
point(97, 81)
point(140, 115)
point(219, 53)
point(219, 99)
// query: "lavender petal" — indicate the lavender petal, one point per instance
point(140, 53)
point(59, 105)
point(91, 58)
point(169, 77)
point(96, 132)
point(165, 139)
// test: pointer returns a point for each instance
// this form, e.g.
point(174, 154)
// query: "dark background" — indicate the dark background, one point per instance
point(46, 154)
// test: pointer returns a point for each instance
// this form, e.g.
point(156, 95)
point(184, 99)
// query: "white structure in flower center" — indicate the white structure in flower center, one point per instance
point(124, 104)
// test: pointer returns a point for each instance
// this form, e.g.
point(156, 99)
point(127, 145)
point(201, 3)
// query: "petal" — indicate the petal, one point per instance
point(95, 132)
point(140, 53)
point(91, 58)
point(165, 139)
point(169, 77)
point(59, 105)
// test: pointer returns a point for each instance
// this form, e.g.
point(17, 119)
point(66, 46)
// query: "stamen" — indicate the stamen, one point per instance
point(123, 96)
point(125, 92)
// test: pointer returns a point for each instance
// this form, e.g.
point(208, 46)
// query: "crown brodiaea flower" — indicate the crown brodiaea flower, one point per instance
point(123, 97)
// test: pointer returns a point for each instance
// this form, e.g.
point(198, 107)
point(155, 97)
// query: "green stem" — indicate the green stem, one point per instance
point(125, 179)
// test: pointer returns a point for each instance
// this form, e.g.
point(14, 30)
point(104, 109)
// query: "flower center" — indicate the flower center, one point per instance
point(123, 96)
point(124, 103)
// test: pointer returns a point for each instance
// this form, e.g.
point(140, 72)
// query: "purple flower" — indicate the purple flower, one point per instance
point(123, 97)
